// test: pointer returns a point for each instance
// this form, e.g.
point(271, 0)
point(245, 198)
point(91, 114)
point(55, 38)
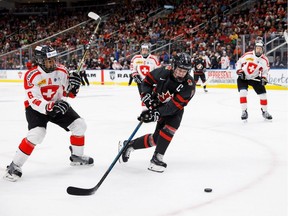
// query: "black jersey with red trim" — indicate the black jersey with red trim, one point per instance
point(172, 94)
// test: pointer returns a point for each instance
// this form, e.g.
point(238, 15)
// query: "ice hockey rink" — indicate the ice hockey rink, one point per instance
point(244, 163)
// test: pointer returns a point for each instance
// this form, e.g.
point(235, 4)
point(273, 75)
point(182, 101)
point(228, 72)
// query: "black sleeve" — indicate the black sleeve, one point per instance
point(179, 100)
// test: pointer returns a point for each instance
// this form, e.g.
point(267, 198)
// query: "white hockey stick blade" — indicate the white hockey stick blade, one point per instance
point(93, 15)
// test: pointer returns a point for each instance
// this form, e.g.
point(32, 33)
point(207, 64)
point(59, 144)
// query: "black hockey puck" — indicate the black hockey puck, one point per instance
point(208, 190)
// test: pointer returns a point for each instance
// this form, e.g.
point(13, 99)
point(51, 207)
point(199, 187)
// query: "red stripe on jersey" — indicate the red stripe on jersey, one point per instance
point(243, 99)
point(263, 102)
point(62, 69)
point(165, 136)
point(247, 53)
point(29, 77)
point(178, 105)
point(181, 99)
point(26, 147)
point(77, 140)
point(266, 60)
point(150, 77)
point(154, 58)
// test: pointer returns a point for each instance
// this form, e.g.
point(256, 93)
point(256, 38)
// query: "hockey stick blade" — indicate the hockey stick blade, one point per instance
point(93, 15)
point(90, 191)
point(81, 191)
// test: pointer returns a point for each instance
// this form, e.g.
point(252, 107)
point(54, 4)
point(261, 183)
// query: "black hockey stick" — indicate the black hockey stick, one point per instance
point(90, 191)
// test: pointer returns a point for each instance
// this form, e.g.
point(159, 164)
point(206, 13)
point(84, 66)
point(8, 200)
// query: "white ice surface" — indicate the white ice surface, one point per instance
point(244, 163)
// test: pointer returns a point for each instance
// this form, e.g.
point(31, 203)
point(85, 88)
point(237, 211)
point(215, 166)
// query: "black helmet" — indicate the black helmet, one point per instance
point(42, 53)
point(182, 60)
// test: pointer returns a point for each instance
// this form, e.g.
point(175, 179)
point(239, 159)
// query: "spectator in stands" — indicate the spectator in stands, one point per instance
point(278, 63)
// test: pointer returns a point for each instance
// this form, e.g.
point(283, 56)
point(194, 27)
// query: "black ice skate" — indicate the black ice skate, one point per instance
point(266, 115)
point(126, 153)
point(157, 164)
point(244, 115)
point(80, 160)
point(13, 172)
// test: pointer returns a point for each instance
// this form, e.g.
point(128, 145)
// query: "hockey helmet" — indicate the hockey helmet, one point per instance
point(43, 53)
point(259, 43)
point(182, 65)
point(145, 49)
point(182, 60)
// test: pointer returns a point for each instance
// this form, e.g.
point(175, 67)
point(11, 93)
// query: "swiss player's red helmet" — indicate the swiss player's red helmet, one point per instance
point(43, 53)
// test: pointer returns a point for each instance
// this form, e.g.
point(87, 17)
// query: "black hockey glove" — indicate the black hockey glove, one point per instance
point(130, 79)
point(241, 74)
point(149, 116)
point(74, 83)
point(58, 108)
point(136, 77)
point(149, 102)
point(264, 81)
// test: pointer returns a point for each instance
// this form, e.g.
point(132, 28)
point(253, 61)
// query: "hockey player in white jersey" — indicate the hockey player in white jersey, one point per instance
point(46, 87)
point(143, 64)
point(252, 69)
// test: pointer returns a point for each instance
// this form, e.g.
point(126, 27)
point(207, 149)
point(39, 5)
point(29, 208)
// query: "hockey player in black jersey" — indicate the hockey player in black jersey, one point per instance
point(199, 69)
point(165, 92)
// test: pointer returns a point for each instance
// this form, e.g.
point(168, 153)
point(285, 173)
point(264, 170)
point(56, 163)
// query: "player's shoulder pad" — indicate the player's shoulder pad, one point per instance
point(31, 74)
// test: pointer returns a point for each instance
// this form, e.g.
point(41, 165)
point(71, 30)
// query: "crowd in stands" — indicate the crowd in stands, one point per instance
point(210, 27)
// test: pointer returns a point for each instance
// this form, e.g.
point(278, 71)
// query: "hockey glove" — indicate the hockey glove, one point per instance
point(136, 77)
point(130, 79)
point(74, 83)
point(149, 116)
point(264, 81)
point(241, 74)
point(58, 108)
point(149, 102)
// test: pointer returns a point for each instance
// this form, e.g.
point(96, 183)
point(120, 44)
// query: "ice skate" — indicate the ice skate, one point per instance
point(266, 115)
point(126, 154)
point(157, 164)
point(205, 90)
point(13, 172)
point(244, 115)
point(80, 160)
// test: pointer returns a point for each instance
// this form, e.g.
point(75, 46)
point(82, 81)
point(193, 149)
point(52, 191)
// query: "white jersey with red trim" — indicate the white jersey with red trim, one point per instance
point(42, 88)
point(253, 66)
point(144, 65)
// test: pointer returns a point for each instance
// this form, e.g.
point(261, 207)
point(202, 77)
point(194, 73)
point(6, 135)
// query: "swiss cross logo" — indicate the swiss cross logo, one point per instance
point(251, 67)
point(144, 69)
point(48, 92)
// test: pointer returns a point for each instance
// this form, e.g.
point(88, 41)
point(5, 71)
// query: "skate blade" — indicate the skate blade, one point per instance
point(12, 178)
point(81, 164)
point(156, 168)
